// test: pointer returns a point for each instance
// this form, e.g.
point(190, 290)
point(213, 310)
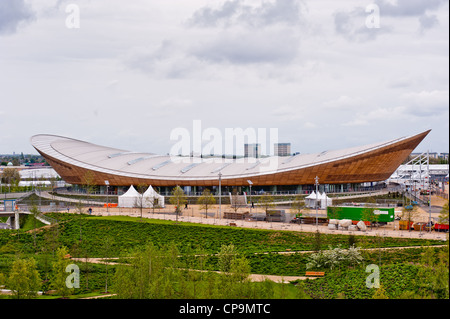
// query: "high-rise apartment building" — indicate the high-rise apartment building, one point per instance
point(252, 150)
point(282, 149)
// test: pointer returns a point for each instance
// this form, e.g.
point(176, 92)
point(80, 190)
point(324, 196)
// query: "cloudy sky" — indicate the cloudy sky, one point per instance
point(327, 74)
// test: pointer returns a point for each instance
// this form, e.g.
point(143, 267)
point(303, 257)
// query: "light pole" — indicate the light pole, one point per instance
point(429, 189)
point(250, 183)
point(107, 196)
point(220, 195)
point(317, 199)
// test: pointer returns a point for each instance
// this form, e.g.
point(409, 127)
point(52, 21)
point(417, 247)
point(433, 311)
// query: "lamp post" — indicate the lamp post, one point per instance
point(317, 199)
point(220, 195)
point(250, 183)
point(429, 189)
point(107, 196)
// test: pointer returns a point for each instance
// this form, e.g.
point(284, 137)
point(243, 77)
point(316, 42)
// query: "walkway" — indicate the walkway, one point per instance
point(252, 277)
point(383, 231)
point(47, 195)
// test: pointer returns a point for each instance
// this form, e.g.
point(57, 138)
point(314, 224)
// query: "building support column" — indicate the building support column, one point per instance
point(16, 220)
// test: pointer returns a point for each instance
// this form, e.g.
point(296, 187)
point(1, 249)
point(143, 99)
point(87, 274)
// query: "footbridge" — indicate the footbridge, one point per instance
point(13, 219)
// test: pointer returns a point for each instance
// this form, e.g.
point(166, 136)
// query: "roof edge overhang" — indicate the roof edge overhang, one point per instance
point(42, 143)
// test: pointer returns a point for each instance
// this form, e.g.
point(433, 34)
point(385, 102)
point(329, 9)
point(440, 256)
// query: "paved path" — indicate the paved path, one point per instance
point(252, 277)
point(384, 231)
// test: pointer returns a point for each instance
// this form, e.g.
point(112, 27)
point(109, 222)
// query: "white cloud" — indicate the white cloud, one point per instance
point(150, 66)
point(345, 102)
point(427, 103)
point(378, 116)
point(287, 113)
point(352, 25)
point(414, 106)
point(309, 125)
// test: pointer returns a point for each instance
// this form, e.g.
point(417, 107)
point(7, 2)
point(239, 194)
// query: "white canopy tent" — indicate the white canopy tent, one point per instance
point(132, 198)
point(310, 200)
point(128, 199)
point(324, 200)
point(151, 198)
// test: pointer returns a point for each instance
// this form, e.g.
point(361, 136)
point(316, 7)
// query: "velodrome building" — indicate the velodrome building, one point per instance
point(338, 169)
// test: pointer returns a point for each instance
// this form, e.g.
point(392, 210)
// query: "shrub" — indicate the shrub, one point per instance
point(334, 257)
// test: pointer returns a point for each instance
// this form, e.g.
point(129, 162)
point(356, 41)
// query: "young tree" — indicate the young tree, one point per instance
point(80, 209)
point(434, 273)
point(139, 202)
point(10, 176)
point(368, 215)
point(154, 202)
point(152, 273)
point(178, 199)
point(297, 206)
point(59, 272)
point(89, 183)
point(107, 244)
point(317, 243)
point(227, 254)
point(266, 202)
point(51, 239)
point(234, 200)
point(206, 201)
point(238, 278)
point(24, 278)
point(239, 269)
point(409, 214)
point(444, 215)
point(35, 211)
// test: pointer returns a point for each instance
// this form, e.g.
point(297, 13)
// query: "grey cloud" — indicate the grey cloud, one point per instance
point(408, 7)
point(236, 12)
point(249, 48)
point(249, 35)
point(209, 17)
point(200, 58)
point(12, 14)
point(428, 22)
point(352, 26)
point(413, 8)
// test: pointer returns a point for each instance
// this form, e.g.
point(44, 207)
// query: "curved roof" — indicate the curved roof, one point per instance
point(118, 162)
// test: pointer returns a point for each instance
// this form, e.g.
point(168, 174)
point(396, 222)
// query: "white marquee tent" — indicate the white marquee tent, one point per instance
point(132, 198)
point(310, 200)
point(322, 199)
point(325, 201)
point(151, 197)
point(128, 199)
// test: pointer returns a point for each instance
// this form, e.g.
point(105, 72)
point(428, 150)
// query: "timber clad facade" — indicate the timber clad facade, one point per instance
point(371, 164)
